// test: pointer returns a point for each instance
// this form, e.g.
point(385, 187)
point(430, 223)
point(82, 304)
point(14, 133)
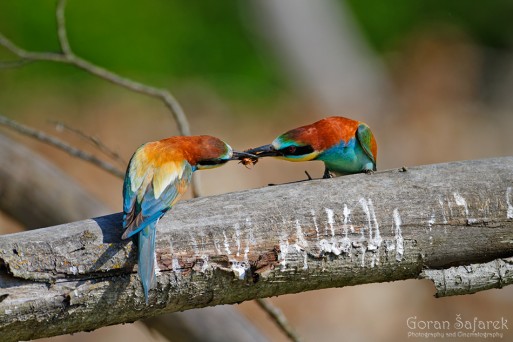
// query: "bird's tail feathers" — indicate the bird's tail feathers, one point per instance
point(135, 227)
point(146, 264)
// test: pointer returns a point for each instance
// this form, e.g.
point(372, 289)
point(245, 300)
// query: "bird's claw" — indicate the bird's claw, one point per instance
point(327, 174)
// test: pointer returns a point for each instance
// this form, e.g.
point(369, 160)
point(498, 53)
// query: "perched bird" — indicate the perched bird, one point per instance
point(157, 175)
point(345, 146)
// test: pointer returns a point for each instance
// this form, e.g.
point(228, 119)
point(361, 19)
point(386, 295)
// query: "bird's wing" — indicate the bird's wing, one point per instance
point(150, 189)
point(367, 141)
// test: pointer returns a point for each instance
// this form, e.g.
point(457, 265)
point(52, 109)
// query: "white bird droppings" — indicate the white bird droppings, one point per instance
point(509, 214)
point(250, 238)
point(284, 250)
point(204, 265)
point(157, 269)
point(217, 245)
point(463, 203)
point(301, 244)
point(300, 237)
point(325, 246)
point(431, 221)
point(194, 243)
point(399, 241)
point(226, 244)
point(441, 202)
point(239, 269)
point(347, 220)
point(305, 261)
point(73, 270)
point(365, 207)
point(374, 234)
point(175, 265)
point(237, 238)
point(331, 220)
point(314, 218)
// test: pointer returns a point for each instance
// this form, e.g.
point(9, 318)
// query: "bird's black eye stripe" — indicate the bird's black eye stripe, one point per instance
point(297, 150)
point(213, 162)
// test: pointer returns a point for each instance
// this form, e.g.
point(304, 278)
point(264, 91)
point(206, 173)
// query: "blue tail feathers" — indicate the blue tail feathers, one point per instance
point(146, 264)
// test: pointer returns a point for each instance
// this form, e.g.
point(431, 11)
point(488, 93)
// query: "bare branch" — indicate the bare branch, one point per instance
point(50, 140)
point(478, 277)
point(266, 242)
point(68, 57)
point(95, 141)
point(61, 27)
point(14, 64)
point(279, 318)
point(162, 94)
point(32, 56)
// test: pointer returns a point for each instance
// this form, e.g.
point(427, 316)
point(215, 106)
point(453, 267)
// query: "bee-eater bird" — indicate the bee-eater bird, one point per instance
point(157, 175)
point(345, 146)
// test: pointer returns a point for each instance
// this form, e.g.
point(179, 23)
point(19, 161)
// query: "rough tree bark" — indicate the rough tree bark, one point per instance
point(290, 238)
point(36, 193)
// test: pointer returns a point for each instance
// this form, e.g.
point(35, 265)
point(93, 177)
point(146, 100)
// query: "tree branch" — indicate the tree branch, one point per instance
point(61, 145)
point(72, 59)
point(259, 243)
point(471, 278)
point(68, 57)
point(61, 27)
point(278, 317)
point(36, 193)
point(94, 140)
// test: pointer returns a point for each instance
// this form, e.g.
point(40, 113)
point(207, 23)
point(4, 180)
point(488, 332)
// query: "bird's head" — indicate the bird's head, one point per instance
point(207, 152)
point(299, 144)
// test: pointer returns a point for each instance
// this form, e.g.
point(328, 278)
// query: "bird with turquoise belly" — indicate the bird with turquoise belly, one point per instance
point(345, 146)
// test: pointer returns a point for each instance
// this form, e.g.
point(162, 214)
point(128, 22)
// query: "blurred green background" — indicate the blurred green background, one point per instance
point(157, 42)
point(433, 80)
point(168, 42)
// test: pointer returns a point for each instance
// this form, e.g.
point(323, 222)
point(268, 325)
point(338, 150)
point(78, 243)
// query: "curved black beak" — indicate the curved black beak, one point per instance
point(241, 155)
point(264, 151)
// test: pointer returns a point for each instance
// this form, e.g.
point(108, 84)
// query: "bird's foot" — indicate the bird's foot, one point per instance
point(327, 174)
point(308, 175)
point(368, 172)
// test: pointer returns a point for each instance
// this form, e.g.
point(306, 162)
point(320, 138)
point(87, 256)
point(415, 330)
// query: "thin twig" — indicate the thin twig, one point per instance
point(50, 140)
point(68, 57)
point(61, 27)
point(95, 141)
point(32, 56)
point(72, 59)
point(277, 315)
point(14, 64)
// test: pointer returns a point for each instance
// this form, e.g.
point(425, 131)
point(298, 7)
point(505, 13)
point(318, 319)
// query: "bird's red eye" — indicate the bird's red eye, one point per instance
point(291, 149)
